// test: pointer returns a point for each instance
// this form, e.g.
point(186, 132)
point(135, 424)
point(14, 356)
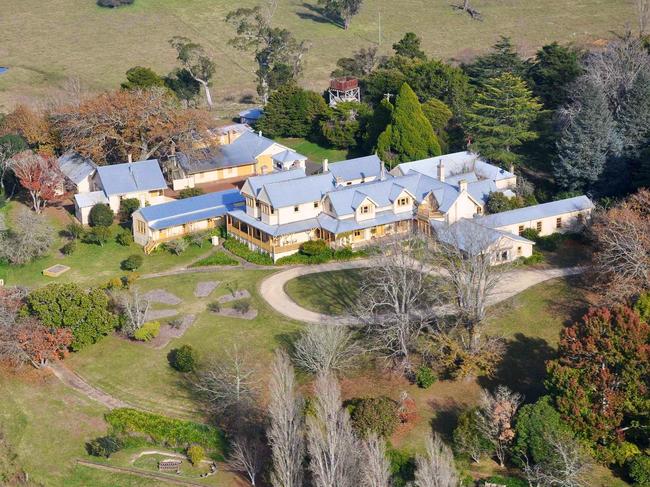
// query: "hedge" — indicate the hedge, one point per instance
point(218, 258)
point(170, 432)
point(241, 250)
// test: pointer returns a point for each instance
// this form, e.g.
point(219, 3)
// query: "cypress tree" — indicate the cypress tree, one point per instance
point(501, 117)
point(586, 140)
point(409, 136)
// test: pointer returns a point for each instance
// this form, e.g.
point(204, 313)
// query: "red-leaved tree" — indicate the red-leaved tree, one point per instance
point(41, 344)
point(38, 174)
point(600, 380)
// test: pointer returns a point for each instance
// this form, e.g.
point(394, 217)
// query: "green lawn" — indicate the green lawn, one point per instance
point(313, 151)
point(142, 376)
point(42, 48)
point(92, 264)
point(331, 293)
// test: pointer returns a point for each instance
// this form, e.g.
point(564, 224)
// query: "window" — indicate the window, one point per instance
point(155, 193)
point(349, 183)
point(504, 255)
point(558, 222)
point(316, 204)
point(140, 226)
point(373, 230)
point(402, 202)
point(479, 210)
point(272, 211)
point(539, 226)
point(296, 209)
point(357, 233)
point(521, 229)
point(365, 209)
point(519, 251)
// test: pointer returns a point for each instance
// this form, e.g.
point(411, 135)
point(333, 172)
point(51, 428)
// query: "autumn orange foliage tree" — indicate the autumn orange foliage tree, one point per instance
point(143, 123)
point(38, 174)
point(32, 125)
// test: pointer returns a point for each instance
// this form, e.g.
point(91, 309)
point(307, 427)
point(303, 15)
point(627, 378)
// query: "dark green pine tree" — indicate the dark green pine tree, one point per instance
point(409, 46)
point(554, 68)
point(501, 117)
point(633, 118)
point(502, 59)
point(409, 136)
point(585, 143)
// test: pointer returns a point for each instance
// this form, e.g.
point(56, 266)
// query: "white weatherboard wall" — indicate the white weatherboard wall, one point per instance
point(549, 224)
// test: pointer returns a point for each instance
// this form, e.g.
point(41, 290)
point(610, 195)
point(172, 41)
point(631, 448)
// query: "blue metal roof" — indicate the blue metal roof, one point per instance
point(76, 167)
point(295, 192)
point(254, 184)
point(87, 200)
point(180, 212)
point(471, 236)
point(275, 230)
point(359, 168)
point(536, 212)
point(131, 177)
point(252, 113)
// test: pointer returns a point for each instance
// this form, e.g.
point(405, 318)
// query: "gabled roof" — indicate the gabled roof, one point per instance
point(456, 164)
point(76, 167)
point(131, 177)
point(289, 192)
point(252, 113)
point(275, 230)
point(288, 155)
point(337, 226)
point(254, 184)
point(480, 190)
point(536, 212)
point(180, 212)
point(359, 168)
point(470, 236)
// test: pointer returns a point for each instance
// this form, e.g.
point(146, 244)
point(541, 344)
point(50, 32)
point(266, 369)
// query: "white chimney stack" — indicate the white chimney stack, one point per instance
point(441, 171)
point(462, 185)
point(326, 166)
point(259, 133)
point(129, 157)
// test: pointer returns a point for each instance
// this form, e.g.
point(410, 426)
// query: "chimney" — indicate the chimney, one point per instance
point(441, 171)
point(129, 157)
point(326, 166)
point(382, 172)
point(512, 168)
point(259, 133)
point(462, 185)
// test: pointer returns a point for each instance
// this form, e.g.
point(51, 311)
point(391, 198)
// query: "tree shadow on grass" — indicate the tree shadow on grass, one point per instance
point(446, 416)
point(334, 293)
point(523, 367)
point(317, 14)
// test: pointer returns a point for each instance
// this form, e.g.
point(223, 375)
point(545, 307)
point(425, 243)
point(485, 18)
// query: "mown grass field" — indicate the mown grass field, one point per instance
point(45, 44)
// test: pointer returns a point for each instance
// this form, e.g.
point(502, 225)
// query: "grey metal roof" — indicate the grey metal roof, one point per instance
point(76, 167)
point(288, 155)
point(275, 230)
point(131, 177)
point(359, 168)
point(455, 164)
point(197, 208)
point(337, 226)
point(254, 184)
point(480, 190)
point(536, 212)
point(295, 192)
point(470, 236)
point(87, 200)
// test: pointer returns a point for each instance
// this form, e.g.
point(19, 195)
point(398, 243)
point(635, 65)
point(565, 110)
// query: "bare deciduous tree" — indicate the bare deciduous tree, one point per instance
point(331, 443)
point(436, 468)
point(567, 466)
point(375, 467)
point(326, 348)
point(286, 430)
point(495, 419)
point(247, 456)
point(397, 298)
point(135, 308)
point(228, 383)
point(466, 7)
point(29, 237)
point(643, 15)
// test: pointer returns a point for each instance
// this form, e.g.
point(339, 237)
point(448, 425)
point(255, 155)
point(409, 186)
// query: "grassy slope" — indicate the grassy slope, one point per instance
point(75, 38)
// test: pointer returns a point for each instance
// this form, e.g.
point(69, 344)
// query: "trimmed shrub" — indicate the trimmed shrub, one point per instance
point(425, 377)
point(177, 247)
point(147, 331)
point(214, 306)
point(315, 247)
point(69, 248)
point(242, 306)
point(190, 193)
point(642, 306)
point(101, 215)
point(374, 414)
point(638, 469)
point(536, 258)
point(113, 283)
point(74, 230)
point(183, 358)
point(195, 454)
point(132, 262)
point(98, 235)
point(240, 249)
point(507, 481)
point(104, 446)
point(124, 238)
point(530, 234)
point(128, 206)
point(218, 258)
point(113, 3)
point(165, 431)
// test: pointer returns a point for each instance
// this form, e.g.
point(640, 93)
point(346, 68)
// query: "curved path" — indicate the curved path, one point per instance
point(272, 288)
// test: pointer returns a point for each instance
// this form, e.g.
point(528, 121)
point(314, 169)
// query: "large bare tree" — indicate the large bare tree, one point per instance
point(375, 467)
point(326, 348)
point(286, 429)
point(397, 298)
point(496, 416)
point(333, 448)
point(134, 307)
point(567, 466)
point(247, 455)
point(436, 468)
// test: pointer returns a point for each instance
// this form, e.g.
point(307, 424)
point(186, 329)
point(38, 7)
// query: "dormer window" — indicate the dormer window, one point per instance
point(365, 209)
point(296, 209)
point(402, 202)
point(316, 204)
